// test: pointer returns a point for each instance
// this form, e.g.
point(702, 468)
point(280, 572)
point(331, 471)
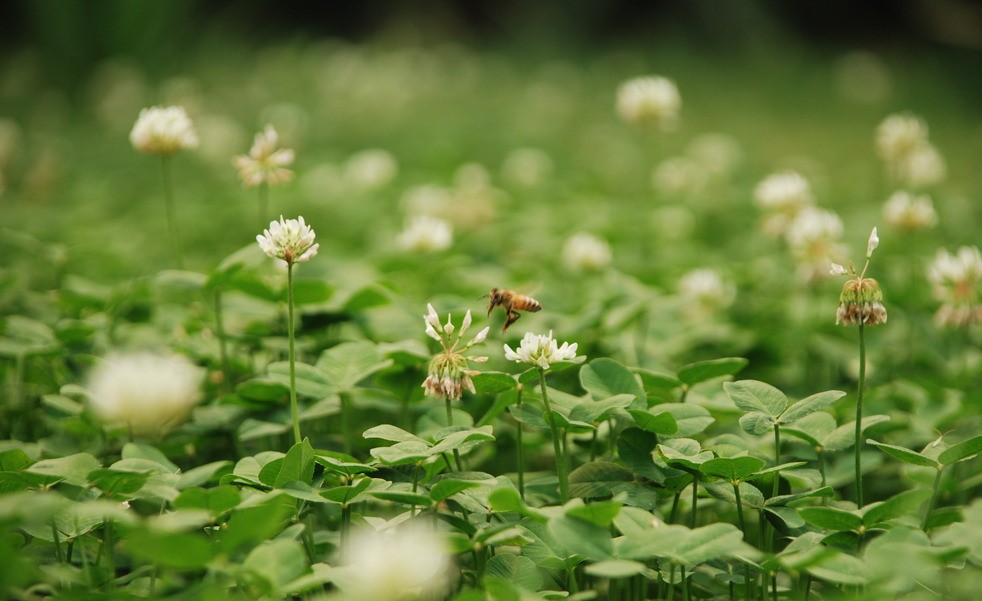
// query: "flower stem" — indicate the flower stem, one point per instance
point(777, 460)
point(521, 448)
point(695, 500)
point(169, 208)
point(456, 453)
point(294, 411)
point(859, 414)
point(739, 504)
point(556, 442)
point(934, 499)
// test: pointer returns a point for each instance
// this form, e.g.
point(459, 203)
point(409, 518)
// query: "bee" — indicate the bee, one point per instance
point(513, 302)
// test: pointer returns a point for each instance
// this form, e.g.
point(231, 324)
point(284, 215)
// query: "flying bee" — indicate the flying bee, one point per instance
point(513, 302)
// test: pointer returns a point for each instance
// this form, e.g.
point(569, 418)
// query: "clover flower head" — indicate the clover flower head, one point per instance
point(145, 392)
point(395, 565)
point(956, 281)
point(163, 131)
point(861, 300)
point(540, 350)
point(426, 234)
point(704, 292)
point(586, 252)
point(907, 212)
point(290, 240)
point(679, 176)
point(922, 167)
point(650, 100)
point(899, 135)
point(265, 163)
point(449, 372)
point(814, 239)
point(782, 197)
point(371, 169)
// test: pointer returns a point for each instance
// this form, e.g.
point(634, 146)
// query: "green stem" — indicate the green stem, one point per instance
point(695, 500)
point(821, 465)
point(934, 499)
point(169, 208)
point(57, 540)
point(556, 441)
point(222, 342)
point(521, 448)
point(675, 508)
point(571, 583)
point(859, 415)
point(263, 203)
point(294, 411)
point(345, 532)
point(747, 591)
point(456, 453)
point(345, 399)
point(777, 460)
point(110, 557)
point(739, 504)
point(671, 581)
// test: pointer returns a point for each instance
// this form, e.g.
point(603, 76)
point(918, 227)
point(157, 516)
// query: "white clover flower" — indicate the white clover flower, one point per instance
point(163, 130)
point(922, 168)
point(899, 135)
point(679, 176)
point(814, 239)
point(905, 211)
point(449, 372)
point(145, 392)
point(704, 292)
point(651, 100)
point(265, 164)
point(427, 199)
point(956, 280)
point(540, 350)
point(586, 252)
point(782, 196)
point(371, 169)
point(290, 240)
point(426, 234)
point(527, 167)
point(395, 565)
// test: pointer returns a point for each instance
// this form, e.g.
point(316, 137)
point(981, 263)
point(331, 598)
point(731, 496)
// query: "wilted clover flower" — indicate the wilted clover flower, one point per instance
point(291, 240)
point(586, 252)
point(540, 350)
point(908, 212)
point(957, 283)
point(145, 392)
point(782, 196)
point(265, 164)
point(651, 100)
point(395, 565)
point(449, 373)
point(861, 300)
point(426, 234)
point(163, 130)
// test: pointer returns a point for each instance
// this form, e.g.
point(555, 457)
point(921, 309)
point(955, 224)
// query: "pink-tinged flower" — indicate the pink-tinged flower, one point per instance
point(956, 280)
point(265, 163)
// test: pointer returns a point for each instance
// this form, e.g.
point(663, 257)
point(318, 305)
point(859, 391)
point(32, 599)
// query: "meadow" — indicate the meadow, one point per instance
point(737, 356)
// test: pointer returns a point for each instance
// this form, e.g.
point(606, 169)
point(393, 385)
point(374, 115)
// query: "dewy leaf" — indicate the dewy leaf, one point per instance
point(904, 454)
point(960, 451)
point(703, 371)
point(604, 378)
point(754, 395)
point(348, 363)
point(809, 405)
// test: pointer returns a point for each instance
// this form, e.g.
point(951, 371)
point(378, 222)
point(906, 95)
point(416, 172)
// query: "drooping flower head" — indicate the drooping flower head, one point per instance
point(449, 373)
point(540, 350)
point(163, 131)
point(861, 300)
point(145, 392)
point(395, 565)
point(265, 164)
point(650, 100)
point(956, 280)
point(290, 240)
point(426, 234)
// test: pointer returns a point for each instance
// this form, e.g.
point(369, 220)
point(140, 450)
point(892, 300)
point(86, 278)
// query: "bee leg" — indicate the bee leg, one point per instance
point(510, 318)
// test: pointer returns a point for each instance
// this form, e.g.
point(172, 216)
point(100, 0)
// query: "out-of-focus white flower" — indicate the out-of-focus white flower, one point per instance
point(782, 196)
point(678, 176)
point(922, 168)
point(290, 240)
point(814, 239)
point(586, 252)
point(719, 154)
point(395, 565)
point(145, 392)
point(526, 167)
point(540, 350)
point(650, 100)
point(163, 130)
point(449, 373)
point(704, 292)
point(427, 199)
point(426, 234)
point(956, 280)
point(265, 164)
point(874, 241)
point(862, 77)
point(905, 211)
point(471, 176)
point(899, 135)
point(371, 169)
